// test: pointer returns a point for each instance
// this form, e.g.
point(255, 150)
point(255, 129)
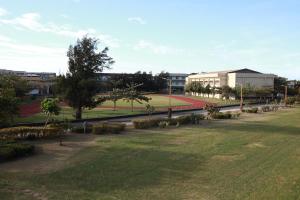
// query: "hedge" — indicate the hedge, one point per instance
point(105, 128)
point(147, 123)
point(80, 129)
point(221, 115)
point(10, 150)
point(161, 122)
point(250, 110)
point(29, 132)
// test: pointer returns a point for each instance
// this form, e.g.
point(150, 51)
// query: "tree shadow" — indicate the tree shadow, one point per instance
point(123, 168)
point(255, 127)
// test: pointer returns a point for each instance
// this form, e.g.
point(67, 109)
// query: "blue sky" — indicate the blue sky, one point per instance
point(172, 35)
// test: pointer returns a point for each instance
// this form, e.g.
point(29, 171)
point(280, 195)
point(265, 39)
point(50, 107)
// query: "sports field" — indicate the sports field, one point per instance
point(32, 112)
point(255, 157)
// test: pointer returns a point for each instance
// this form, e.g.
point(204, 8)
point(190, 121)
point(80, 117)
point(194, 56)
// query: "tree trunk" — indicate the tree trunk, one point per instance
point(115, 105)
point(131, 105)
point(78, 113)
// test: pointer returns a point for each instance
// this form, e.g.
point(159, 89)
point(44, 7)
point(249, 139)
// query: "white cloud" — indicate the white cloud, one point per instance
point(21, 56)
point(137, 20)
point(4, 38)
point(3, 12)
point(158, 49)
point(32, 22)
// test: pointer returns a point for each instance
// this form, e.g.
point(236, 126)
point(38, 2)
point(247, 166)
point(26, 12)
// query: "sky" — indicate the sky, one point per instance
point(182, 36)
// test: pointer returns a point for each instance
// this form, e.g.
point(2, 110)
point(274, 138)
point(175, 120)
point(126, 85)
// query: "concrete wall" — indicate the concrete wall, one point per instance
point(253, 79)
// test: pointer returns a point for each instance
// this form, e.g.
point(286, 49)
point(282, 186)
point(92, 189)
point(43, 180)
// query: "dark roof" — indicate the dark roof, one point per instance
point(245, 70)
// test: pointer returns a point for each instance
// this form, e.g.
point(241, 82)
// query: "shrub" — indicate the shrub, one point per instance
point(29, 132)
point(146, 123)
point(210, 108)
point(291, 100)
point(10, 150)
point(235, 115)
point(163, 124)
point(184, 119)
point(104, 128)
point(220, 115)
point(266, 108)
point(250, 110)
point(80, 129)
point(196, 118)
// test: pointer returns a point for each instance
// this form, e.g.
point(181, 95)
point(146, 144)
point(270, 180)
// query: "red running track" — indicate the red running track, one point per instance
point(34, 108)
point(27, 110)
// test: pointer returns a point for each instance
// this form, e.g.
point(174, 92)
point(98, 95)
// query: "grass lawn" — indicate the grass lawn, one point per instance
point(219, 102)
point(256, 157)
point(156, 100)
point(68, 113)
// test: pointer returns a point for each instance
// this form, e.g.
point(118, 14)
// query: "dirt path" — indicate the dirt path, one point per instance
point(49, 151)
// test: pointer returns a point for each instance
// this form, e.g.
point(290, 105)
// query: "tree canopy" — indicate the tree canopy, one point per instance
point(79, 86)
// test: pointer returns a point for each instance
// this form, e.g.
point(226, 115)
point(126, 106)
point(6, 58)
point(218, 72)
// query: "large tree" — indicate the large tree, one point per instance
point(9, 102)
point(79, 86)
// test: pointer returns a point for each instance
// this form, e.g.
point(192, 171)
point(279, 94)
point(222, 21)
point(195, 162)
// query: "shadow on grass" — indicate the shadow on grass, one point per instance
point(257, 127)
point(123, 169)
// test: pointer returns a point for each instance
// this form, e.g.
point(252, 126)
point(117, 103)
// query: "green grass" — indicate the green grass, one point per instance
point(251, 158)
point(219, 102)
point(156, 100)
point(68, 113)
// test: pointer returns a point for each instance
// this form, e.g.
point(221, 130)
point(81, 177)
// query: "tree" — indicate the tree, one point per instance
point(9, 105)
point(150, 109)
point(79, 86)
point(131, 94)
point(279, 83)
point(9, 102)
point(50, 107)
point(226, 91)
point(199, 88)
point(207, 90)
point(115, 95)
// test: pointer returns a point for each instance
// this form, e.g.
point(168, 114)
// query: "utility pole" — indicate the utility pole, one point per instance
point(241, 103)
point(285, 95)
point(170, 92)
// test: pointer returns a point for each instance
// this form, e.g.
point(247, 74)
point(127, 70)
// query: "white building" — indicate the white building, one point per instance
point(233, 78)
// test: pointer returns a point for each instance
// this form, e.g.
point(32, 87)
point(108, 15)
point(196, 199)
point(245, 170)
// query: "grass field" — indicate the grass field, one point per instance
point(68, 113)
point(256, 157)
point(219, 102)
point(156, 100)
point(106, 110)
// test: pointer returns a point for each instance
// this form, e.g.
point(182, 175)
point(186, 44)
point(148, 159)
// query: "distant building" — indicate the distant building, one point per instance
point(177, 82)
point(40, 82)
point(233, 78)
point(292, 83)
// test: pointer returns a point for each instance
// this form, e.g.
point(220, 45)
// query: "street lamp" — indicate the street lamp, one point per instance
point(285, 94)
point(242, 100)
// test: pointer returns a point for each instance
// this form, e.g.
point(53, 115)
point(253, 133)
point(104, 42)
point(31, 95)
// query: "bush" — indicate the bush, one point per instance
point(220, 115)
point(105, 128)
point(184, 119)
point(80, 129)
point(211, 109)
point(163, 124)
point(10, 150)
point(266, 108)
point(250, 110)
point(29, 132)
point(146, 123)
point(291, 100)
